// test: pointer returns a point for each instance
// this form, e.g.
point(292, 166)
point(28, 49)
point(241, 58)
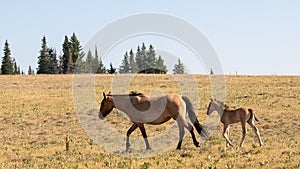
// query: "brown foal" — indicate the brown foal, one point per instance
point(230, 116)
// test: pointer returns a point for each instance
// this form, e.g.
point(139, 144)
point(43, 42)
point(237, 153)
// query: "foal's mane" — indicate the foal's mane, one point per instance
point(225, 105)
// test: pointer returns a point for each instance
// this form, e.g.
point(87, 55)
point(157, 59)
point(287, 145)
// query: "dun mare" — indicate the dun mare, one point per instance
point(157, 110)
point(230, 116)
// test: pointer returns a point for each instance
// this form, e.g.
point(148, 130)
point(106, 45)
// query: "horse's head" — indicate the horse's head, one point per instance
point(106, 106)
point(215, 105)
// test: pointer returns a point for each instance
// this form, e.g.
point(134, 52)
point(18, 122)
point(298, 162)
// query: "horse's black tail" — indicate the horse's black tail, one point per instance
point(253, 115)
point(193, 118)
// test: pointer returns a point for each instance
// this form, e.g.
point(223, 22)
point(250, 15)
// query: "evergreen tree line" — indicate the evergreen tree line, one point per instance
point(72, 60)
point(50, 63)
point(142, 61)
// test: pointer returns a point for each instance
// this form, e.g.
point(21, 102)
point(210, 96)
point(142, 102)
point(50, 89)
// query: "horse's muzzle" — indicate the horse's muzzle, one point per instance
point(100, 116)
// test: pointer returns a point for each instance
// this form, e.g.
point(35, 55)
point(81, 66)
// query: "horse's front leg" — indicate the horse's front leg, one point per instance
point(130, 130)
point(226, 127)
point(142, 128)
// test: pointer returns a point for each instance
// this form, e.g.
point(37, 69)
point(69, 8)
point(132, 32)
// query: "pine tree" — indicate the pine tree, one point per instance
point(101, 68)
point(79, 65)
point(60, 64)
point(43, 59)
point(30, 71)
point(72, 59)
point(179, 68)
point(17, 70)
point(15, 67)
point(75, 48)
point(133, 66)
point(211, 71)
point(139, 59)
point(70, 63)
point(7, 64)
point(96, 61)
point(111, 69)
point(125, 67)
point(53, 66)
point(150, 58)
point(144, 64)
point(89, 63)
point(67, 56)
point(160, 65)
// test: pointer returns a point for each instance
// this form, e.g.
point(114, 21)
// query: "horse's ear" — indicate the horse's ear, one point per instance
point(104, 96)
point(109, 93)
point(211, 99)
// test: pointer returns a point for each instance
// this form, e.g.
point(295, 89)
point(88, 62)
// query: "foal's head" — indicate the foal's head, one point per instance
point(215, 105)
point(106, 106)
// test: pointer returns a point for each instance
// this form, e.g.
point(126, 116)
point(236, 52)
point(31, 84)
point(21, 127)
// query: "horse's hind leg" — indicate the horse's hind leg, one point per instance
point(130, 130)
point(244, 133)
point(142, 128)
point(191, 129)
point(228, 134)
point(256, 132)
point(181, 133)
point(184, 124)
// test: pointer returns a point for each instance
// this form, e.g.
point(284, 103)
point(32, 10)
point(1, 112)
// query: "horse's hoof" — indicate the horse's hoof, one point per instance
point(127, 149)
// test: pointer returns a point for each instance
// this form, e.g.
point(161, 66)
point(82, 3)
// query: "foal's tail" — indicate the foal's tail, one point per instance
point(253, 115)
point(193, 118)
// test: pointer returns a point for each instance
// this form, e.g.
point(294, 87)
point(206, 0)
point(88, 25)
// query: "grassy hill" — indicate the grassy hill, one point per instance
point(37, 114)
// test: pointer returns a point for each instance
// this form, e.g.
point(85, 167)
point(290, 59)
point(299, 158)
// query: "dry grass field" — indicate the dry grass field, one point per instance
point(37, 113)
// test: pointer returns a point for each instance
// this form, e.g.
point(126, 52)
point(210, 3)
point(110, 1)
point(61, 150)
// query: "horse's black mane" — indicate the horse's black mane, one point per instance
point(134, 93)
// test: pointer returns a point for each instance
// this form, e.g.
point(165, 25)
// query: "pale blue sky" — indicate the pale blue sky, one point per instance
point(250, 37)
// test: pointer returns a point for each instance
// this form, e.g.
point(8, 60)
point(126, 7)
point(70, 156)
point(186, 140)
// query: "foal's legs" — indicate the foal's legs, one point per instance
point(228, 134)
point(226, 127)
point(256, 132)
point(244, 133)
point(142, 128)
point(130, 130)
